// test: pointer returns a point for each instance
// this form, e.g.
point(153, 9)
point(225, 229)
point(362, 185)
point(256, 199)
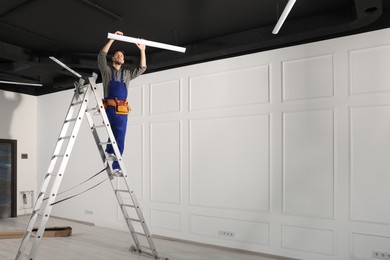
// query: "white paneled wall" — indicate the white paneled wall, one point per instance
point(282, 152)
point(18, 117)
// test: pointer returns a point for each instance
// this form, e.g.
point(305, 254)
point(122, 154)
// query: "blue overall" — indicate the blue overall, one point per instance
point(117, 89)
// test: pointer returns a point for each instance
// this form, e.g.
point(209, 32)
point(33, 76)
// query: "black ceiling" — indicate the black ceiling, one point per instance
point(74, 31)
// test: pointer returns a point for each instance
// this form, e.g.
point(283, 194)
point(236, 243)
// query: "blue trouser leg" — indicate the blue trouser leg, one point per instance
point(118, 126)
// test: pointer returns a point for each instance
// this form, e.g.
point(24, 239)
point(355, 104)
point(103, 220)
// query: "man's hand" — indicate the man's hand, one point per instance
point(107, 46)
point(142, 47)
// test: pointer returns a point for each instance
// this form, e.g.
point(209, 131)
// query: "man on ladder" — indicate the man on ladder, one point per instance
point(115, 84)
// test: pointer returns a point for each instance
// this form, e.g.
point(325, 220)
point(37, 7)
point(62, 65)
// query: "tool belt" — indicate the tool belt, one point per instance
point(121, 106)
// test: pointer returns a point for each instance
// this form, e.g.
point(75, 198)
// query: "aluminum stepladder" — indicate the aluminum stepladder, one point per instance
point(81, 106)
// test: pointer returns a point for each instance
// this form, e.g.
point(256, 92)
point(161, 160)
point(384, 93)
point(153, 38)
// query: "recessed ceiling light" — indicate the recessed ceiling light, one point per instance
point(284, 15)
point(21, 83)
point(65, 67)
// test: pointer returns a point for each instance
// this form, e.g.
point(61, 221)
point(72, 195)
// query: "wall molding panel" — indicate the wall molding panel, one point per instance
point(230, 88)
point(165, 97)
point(312, 134)
point(369, 70)
point(243, 231)
point(216, 153)
point(308, 78)
point(360, 242)
point(321, 241)
point(134, 158)
point(136, 101)
point(165, 219)
point(370, 147)
point(165, 162)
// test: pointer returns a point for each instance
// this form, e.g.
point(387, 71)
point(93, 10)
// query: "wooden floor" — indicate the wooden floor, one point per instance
point(91, 242)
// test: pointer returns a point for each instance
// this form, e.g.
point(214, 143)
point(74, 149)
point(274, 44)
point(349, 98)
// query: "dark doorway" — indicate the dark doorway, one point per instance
point(7, 178)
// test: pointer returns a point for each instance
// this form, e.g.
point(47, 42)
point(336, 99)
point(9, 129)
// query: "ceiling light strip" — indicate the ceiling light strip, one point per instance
point(66, 67)
point(284, 15)
point(145, 42)
point(21, 83)
point(101, 9)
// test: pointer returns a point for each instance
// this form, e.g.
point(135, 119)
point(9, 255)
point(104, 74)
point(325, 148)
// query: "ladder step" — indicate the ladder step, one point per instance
point(151, 254)
point(64, 137)
point(105, 143)
point(91, 109)
point(139, 233)
point(25, 254)
point(147, 248)
point(58, 155)
point(31, 233)
point(98, 126)
point(70, 120)
point(134, 219)
point(128, 205)
point(126, 191)
point(77, 103)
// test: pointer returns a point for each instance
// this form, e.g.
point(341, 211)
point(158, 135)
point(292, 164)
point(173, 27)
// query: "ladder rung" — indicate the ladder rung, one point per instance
point(128, 205)
point(146, 247)
point(122, 191)
point(77, 103)
point(40, 194)
point(52, 174)
point(91, 109)
point(28, 232)
point(98, 126)
point(64, 137)
point(105, 143)
point(134, 219)
point(25, 254)
point(151, 254)
point(139, 233)
point(31, 233)
point(58, 155)
point(70, 120)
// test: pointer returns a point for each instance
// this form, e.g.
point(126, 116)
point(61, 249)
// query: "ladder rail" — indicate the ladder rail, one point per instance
point(117, 154)
point(45, 204)
point(61, 172)
point(107, 124)
point(102, 154)
point(123, 168)
point(52, 180)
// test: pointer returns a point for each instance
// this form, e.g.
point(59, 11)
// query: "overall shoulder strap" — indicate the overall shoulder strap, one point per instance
point(112, 74)
point(122, 76)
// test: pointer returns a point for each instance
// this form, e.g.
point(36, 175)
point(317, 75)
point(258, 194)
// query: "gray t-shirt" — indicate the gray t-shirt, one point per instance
point(106, 72)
